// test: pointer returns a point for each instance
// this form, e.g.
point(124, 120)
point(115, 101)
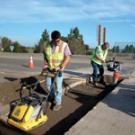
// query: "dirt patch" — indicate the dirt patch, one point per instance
point(78, 101)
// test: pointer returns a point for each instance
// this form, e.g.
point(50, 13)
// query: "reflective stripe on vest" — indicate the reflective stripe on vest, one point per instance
point(55, 59)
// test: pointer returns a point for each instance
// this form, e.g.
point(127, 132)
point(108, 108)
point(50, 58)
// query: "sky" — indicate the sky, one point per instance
point(25, 20)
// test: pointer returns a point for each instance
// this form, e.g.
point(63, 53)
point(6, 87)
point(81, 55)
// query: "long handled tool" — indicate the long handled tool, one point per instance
point(53, 86)
point(27, 112)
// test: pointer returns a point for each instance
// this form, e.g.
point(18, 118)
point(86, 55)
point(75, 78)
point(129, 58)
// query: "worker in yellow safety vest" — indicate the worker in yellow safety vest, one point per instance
point(56, 58)
point(98, 58)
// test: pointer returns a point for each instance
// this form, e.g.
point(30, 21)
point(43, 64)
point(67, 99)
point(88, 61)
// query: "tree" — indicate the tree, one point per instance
point(116, 49)
point(45, 35)
point(76, 33)
point(36, 49)
point(75, 41)
point(43, 42)
point(19, 48)
point(64, 38)
point(87, 49)
point(71, 34)
point(76, 47)
point(6, 44)
point(129, 49)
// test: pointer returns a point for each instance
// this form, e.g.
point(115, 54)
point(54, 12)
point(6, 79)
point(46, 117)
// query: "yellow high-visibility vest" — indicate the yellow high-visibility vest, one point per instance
point(55, 58)
point(99, 52)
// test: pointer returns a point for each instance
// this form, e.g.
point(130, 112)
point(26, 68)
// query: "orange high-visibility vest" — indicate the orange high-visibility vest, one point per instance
point(55, 58)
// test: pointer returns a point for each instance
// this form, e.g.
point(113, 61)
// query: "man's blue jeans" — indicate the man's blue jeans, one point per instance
point(57, 92)
point(98, 71)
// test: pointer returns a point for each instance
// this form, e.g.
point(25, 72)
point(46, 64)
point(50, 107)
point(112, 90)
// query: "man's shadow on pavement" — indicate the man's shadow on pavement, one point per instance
point(75, 73)
point(123, 99)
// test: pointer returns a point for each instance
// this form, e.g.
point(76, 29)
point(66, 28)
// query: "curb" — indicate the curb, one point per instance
point(72, 85)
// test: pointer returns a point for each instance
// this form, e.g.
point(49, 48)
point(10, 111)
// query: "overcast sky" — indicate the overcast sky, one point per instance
point(25, 21)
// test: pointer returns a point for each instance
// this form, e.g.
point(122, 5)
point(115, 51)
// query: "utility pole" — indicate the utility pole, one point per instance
point(101, 34)
point(1, 47)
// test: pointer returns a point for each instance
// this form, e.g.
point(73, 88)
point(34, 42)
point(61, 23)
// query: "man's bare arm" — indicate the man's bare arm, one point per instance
point(99, 58)
point(65, 61)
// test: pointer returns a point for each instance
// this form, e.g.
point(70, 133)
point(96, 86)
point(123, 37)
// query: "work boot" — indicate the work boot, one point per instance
point(102, 82)
point(90, 79)
point(49, 104)
point(57, 107)
point(50, 99)
point(95, 84)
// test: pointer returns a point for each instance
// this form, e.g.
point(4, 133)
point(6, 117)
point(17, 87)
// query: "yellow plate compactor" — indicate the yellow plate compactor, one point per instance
point(27, 112)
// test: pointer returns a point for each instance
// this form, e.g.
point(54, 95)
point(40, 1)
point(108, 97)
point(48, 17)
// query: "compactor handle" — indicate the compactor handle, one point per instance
point(52, 73)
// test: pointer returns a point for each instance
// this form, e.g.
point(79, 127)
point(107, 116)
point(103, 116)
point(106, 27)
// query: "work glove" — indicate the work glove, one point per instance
point(103, 61)
point(59, 68)
point(62, 68)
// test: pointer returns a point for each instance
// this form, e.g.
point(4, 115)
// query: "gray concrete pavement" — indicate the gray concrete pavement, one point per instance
point(15, 63)
point(115, 115)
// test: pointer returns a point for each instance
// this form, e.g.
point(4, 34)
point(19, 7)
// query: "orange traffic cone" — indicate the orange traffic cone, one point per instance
point(31, 65)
